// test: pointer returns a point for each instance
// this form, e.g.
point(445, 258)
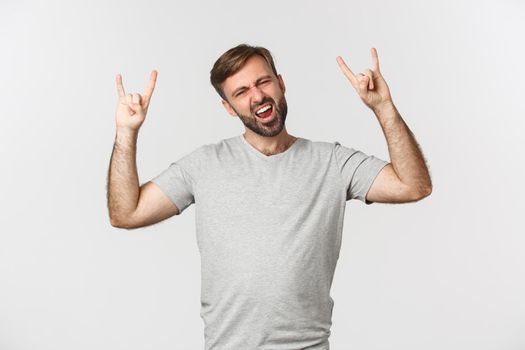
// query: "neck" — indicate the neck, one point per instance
point(270, 145)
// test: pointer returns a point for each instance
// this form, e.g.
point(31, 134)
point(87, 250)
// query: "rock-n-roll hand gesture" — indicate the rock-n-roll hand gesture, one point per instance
point(370, 85)
point(132, 108)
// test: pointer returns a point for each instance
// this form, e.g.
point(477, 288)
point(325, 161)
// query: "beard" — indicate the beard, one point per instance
point(272, 128)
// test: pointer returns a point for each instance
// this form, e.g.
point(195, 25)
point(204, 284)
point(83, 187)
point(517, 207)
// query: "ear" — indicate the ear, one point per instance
point(229, 108)
point(281, 83)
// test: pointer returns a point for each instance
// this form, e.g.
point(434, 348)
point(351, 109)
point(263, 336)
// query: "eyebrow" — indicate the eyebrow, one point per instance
point(256, 82)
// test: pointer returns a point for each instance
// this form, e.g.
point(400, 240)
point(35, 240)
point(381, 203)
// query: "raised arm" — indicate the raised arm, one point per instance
point(129, 205)
point(406, 178)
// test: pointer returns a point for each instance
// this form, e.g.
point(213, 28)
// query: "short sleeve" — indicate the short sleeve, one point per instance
point(358, 171)
point(177, 184)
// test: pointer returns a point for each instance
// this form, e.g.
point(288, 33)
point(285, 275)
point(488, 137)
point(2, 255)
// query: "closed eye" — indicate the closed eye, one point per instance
point(261, 82)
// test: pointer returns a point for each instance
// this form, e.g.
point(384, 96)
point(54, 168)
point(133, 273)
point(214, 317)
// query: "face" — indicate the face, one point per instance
point(252, 87)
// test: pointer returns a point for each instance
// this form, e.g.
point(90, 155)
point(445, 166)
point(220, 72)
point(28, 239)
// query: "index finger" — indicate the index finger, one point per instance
point(151, 84)
point(120, 87)
point(347, 71)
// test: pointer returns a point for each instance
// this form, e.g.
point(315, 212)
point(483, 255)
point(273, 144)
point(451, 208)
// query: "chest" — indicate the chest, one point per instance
point(269, 194)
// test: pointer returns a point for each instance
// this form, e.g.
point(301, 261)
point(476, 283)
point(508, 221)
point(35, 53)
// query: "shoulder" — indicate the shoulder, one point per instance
point(327, 147)
point(314, 144)
point(218, 149)
point(209, 149)
point(342, 152)
point(212, 153)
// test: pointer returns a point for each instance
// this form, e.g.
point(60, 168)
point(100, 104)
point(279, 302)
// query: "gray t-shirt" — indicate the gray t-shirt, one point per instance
point(269, 235)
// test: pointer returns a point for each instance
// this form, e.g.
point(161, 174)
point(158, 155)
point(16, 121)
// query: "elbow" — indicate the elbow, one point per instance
point(113, 221)
point(119, 223)
point(417, 193)
point(424, 192)
point(427, 190)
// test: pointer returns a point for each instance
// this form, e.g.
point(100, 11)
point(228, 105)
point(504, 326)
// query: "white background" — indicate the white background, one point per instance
point(447, 272)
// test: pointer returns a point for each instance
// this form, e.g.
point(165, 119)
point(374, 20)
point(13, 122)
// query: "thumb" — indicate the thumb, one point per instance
point(362, 87)
point(364, 82)
point(135, 108)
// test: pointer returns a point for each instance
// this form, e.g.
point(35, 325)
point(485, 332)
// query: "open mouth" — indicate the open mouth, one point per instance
point(265, 112)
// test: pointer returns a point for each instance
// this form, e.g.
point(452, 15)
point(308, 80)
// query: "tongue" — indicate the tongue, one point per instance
point(265, 114)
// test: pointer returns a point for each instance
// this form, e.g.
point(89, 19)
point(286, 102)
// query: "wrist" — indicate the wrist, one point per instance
point(126, 131)
point(126, 136)
point(384, 108)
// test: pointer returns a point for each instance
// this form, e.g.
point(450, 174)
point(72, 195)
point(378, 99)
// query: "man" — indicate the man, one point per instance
point(269, 205)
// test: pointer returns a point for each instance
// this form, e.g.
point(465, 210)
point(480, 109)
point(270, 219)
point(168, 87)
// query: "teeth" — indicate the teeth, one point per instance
point(264, 109)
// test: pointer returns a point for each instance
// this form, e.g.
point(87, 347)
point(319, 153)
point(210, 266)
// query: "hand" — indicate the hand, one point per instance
point(370, 86)
point(132, 108)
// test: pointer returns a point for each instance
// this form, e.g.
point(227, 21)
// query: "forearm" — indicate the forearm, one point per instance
point(405, 154)
point(123, 183)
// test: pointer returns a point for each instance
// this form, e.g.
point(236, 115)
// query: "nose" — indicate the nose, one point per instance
point(257, 95)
